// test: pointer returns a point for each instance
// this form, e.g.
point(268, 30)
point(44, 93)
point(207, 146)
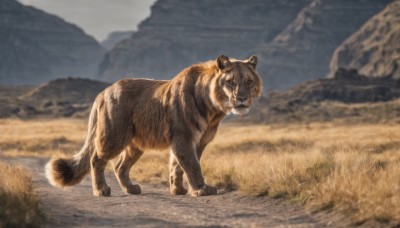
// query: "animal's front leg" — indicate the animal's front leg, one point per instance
point(185, 153)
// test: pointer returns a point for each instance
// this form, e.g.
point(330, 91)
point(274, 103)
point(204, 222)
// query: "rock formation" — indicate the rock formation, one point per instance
point(304, 49)
point(295, 39)
point(374, 50)
point(180, 33)
point(36, 46)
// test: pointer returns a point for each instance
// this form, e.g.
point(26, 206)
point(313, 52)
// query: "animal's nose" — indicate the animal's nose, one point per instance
point(242, 98)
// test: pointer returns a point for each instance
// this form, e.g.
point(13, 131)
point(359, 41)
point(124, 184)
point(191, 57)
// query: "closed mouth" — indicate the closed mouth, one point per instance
point(241, 106)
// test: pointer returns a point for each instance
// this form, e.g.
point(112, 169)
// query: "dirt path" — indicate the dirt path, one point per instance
point(156, 207)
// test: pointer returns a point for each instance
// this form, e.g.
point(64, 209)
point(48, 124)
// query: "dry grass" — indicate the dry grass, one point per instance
point(351, 168)
point(152, 167)
point(355, 168)
point(41, 137)
point(19, 206)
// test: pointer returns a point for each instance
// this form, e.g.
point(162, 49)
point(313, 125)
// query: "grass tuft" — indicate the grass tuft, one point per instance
point(19, 206)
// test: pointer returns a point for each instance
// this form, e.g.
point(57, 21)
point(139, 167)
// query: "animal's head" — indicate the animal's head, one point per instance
point(240, 83)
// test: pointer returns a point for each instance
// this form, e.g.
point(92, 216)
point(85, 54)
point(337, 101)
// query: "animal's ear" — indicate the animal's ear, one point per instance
point(223, 62)
point(253, 61)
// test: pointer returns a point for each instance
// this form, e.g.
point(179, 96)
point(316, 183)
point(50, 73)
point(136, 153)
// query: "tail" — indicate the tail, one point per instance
point(62, 172)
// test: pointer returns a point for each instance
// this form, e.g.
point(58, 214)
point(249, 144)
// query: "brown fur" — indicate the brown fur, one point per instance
point(183, 114)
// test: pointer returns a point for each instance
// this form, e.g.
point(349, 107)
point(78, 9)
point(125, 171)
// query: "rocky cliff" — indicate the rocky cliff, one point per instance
point(114, 38)
point(374, 50)
point(303, 50)
point(347, 96)
point(36, 46)
point(180, 33)
point(295, 39)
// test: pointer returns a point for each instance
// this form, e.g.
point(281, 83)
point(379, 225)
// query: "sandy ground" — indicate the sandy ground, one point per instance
point(155, 207)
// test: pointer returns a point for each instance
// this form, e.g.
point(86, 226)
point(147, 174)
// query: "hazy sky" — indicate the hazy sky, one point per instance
point(97, 17)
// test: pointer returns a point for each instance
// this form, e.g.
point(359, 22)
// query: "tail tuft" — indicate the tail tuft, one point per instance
point(61, 172)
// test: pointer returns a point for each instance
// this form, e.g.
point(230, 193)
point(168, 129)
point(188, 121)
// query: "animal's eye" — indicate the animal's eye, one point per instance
point(231, 82)
point(249, 82)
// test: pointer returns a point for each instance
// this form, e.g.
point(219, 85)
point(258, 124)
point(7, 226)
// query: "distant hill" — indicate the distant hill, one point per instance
point(67, 90)
point(294, 39)
point(114, 38)
point(36, 47)
point(374, 50)
point(63, 97)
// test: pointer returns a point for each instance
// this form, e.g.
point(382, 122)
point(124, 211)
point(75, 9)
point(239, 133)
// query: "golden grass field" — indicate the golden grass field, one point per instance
point(354, 169)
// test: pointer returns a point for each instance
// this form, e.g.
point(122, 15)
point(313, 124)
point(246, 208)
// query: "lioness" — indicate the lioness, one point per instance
point(183, 114)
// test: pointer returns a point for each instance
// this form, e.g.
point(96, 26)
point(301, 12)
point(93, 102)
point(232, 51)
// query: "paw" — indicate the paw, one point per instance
point(133, 189)
point(178, 191)
point(204, 191)
point(104, 191)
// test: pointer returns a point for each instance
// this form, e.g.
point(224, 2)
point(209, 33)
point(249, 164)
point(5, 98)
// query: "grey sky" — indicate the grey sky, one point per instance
point(97, 17)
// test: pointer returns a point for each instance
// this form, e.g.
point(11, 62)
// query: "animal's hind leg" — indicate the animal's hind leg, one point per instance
point(127, 159)
point(114, 132)
point(105, 150)
point(100, 187)
point(175, 177)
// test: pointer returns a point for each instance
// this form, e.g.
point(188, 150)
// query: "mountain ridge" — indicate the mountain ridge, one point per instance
point(303, 50)
point(177, 35)
point(285, 35)
point(37, 46)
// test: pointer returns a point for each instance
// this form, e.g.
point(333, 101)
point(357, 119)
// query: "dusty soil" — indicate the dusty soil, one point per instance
point(155, 207)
